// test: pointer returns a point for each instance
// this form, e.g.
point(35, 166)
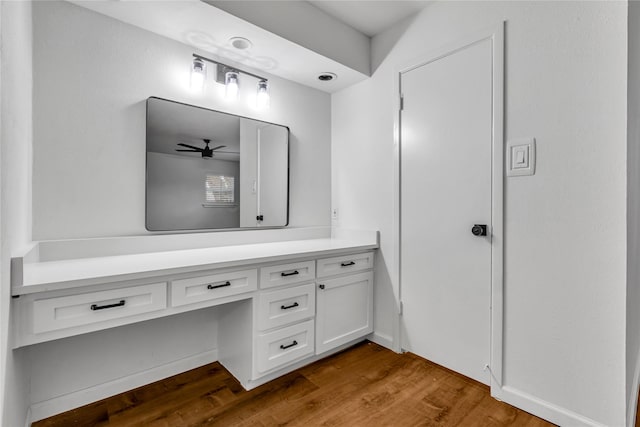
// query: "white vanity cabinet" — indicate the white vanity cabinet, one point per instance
point(279, 305)
point(344, 300)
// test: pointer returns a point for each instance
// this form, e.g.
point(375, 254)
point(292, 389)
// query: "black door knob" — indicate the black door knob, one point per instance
point(479, 230)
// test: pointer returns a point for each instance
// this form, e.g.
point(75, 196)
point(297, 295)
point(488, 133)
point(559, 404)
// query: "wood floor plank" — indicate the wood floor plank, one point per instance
point(366, 385)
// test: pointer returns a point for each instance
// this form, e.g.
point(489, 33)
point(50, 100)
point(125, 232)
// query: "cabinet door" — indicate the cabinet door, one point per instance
point(344, 310)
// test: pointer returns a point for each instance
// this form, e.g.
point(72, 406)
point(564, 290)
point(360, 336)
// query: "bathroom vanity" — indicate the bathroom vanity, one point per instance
point(282, 303)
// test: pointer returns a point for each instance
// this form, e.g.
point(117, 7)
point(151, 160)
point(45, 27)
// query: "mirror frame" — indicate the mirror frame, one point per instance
point(208, 230)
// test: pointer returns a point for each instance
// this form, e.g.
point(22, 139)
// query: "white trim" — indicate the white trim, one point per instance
point(542, 408)
point(497, 210)
point(382, 340)
point(496, 35)
point(632, 404)
point(28, 418)
point(59, 404)
point(397, 182)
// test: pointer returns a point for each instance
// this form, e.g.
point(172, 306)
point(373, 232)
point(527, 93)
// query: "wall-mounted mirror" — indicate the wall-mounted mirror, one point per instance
point(211, 170)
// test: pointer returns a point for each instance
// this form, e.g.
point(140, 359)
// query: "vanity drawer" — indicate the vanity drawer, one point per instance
point(344, 264)
point(277, 349)
point(278, 308)
point(77, 310)
point(206, 288)
point(278, 275)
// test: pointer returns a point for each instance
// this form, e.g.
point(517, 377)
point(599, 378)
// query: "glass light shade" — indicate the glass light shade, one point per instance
point(231, 83)
point(198, 74)
point(262, 97)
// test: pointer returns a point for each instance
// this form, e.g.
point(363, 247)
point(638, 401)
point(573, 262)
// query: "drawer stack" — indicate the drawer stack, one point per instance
point(310, 307)
point(284, 317)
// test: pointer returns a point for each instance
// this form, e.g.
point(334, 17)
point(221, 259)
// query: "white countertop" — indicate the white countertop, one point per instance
point(41, 276)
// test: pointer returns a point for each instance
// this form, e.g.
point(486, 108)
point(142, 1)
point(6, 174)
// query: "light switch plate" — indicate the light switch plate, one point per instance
point(521, 157)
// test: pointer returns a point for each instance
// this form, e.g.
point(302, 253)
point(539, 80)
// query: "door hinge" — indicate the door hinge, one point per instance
point(401, 102)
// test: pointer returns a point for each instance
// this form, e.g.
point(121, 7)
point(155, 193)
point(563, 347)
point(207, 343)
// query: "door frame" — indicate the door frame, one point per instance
point(496, 35)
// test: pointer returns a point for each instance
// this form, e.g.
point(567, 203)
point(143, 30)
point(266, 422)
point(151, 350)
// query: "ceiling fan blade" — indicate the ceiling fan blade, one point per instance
point(191, 151)
point(190, 146)
point(218, 147)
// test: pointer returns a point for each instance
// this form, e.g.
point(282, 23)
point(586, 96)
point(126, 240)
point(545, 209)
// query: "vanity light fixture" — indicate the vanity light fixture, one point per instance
point(262, 97)
point(230, 77)
point(198, 74)
point(231, 83)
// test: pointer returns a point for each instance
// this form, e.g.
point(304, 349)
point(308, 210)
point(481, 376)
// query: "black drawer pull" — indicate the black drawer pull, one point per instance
point(212, 286)
point(95, 307)
point(287, 307)
point(284, 347)
point(347, 264)
point(293, 273)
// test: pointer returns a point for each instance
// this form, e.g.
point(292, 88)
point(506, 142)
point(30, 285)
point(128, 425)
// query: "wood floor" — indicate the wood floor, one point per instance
point(366, 385)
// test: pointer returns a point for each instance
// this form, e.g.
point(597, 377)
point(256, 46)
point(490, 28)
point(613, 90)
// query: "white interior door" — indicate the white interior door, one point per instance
point(446, 188)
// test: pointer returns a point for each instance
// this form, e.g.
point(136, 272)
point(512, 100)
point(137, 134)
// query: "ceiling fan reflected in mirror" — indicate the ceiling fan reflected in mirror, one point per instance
point(206, 151)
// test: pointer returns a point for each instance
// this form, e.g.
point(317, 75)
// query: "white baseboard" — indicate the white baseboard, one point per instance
point(543, 409)
point(382, 339)
point(28, 419)
point(632, 404)
point(59, 404)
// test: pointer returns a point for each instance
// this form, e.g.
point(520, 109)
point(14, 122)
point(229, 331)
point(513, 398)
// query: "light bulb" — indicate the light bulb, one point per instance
point(198, 74)
point(231, 82)
point(262, 97)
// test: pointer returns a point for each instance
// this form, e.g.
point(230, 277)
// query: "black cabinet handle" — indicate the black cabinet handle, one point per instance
point(347, 264)
point(212, 286)
point(260, 218)
point(95, 307)
point(284, 347)
point(321, 286)
point(293, 273)
point(287, 307)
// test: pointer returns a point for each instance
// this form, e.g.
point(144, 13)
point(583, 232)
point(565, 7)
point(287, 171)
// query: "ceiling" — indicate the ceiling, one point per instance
point(370, 17)
point(296, 40)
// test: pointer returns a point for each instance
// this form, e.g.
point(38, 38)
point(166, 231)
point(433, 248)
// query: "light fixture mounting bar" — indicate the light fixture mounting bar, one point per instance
point(229, 67)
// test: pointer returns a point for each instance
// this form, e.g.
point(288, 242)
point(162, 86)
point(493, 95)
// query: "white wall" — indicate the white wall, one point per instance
point(15, 192)
point(92, 75)
point(565, 227)
point(633, 213)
